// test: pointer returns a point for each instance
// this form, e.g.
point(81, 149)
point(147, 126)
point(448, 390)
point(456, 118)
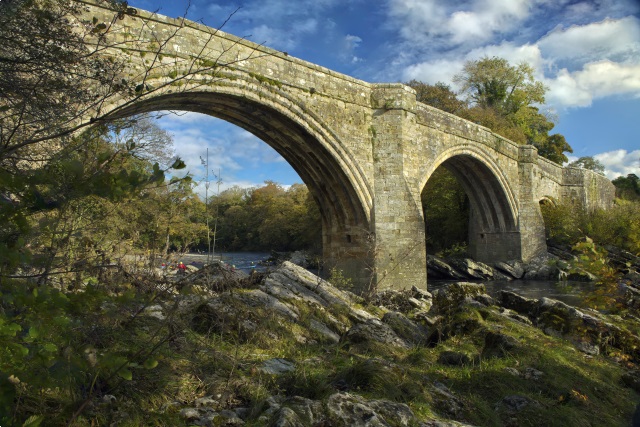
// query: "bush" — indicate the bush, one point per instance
point(618, 226)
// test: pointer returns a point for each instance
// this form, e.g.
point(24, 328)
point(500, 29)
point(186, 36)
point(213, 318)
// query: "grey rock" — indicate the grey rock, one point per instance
point(277, 366)
point(497, 344)
point(588, 348)
point(454, 358)
point(258, 298)
point(299, 258)
point(516, 403)
point(190, 413)
point(472, 269)
point(517, 302)
point(322, 329)
point(405, 328)
point(452, 295)
point(345, 409)
point(513, 268)
point(445, 401)
point(542, 268)
point(439, 269)
point(485, 300)
point(156, 311)
point(205, 401)
point(532, 374)
point(375, 330)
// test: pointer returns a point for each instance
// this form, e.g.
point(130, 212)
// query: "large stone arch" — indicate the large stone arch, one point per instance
point(315, 153)
point(494, 219)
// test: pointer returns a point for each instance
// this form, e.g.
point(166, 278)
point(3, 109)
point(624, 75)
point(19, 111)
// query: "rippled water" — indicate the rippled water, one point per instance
point(245, 261)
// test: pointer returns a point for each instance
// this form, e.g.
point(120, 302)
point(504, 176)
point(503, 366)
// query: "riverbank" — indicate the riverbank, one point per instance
point(287, 348)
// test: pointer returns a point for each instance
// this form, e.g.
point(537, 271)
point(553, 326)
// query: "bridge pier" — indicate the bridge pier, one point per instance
point(399, 254)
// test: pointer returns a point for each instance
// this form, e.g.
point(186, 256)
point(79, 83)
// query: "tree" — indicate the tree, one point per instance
point(446, 212)
point(627, 187)
point(504, 98)
point(439, 96)
point(588, 162)
point(58, 71)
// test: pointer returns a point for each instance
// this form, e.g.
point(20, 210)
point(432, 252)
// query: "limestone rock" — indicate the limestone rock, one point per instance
point(513, 301)
point(277, 366)
point(454, 358)
point(453, 294)
point(516, 403)
point(323, 330)
point(346, 409)
point(497, 344)
point(405, 328)
point(439, 269)
point(375, 330)
point(542, 268)
point(445, 401)
point(472, 269)
point(299, 258)
point(514, 268)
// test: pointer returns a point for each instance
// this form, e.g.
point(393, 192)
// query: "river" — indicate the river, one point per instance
point(568, 292)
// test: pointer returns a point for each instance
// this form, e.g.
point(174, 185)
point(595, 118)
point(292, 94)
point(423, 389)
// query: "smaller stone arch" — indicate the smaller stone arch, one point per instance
point(494, 219)
point(548, 200)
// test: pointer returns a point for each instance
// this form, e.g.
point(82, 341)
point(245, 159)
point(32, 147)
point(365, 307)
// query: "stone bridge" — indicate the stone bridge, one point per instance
point(365, 150)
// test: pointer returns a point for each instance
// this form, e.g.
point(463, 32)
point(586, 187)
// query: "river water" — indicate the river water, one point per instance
point(245, 261)
point(568, 291)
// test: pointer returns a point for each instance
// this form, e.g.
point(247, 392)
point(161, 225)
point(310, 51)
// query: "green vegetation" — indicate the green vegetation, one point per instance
point(502, 97)
point(589, 163)
point(619, 226)
point(628, 187)
point(446, 213)
point(66, 353)
point(267, 218)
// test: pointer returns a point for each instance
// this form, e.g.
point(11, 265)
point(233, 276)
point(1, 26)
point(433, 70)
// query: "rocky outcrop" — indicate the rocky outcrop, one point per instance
point(588, 331)
point(544, 267)
point(403, 320)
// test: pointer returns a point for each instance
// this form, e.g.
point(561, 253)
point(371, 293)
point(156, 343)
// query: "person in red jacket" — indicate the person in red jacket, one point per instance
point(182, 269)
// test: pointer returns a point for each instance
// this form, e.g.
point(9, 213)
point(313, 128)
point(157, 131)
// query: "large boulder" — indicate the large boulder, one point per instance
point(452, 295)
point(589, 331)
point(344, 409)
point(375, 331)
point(513, 268)
point(472, 269)
point(543, 267)
point(438, 269)
point(405, 328)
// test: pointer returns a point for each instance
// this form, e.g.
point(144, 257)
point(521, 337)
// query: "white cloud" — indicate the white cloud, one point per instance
point(432, 21)
point(349, 44)
point(439, 70)
point(606, 39)
point(620, 162)
point(595, 80)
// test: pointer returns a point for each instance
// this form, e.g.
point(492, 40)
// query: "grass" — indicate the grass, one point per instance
point(218, 353)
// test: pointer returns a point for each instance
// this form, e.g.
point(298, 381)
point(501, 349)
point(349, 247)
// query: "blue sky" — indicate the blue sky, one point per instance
point(586, 52)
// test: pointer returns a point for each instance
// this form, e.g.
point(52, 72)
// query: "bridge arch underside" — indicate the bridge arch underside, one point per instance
point(345, 224)
point(493, 227)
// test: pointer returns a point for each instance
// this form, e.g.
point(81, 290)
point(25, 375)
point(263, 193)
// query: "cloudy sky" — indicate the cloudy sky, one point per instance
point(586, 52)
